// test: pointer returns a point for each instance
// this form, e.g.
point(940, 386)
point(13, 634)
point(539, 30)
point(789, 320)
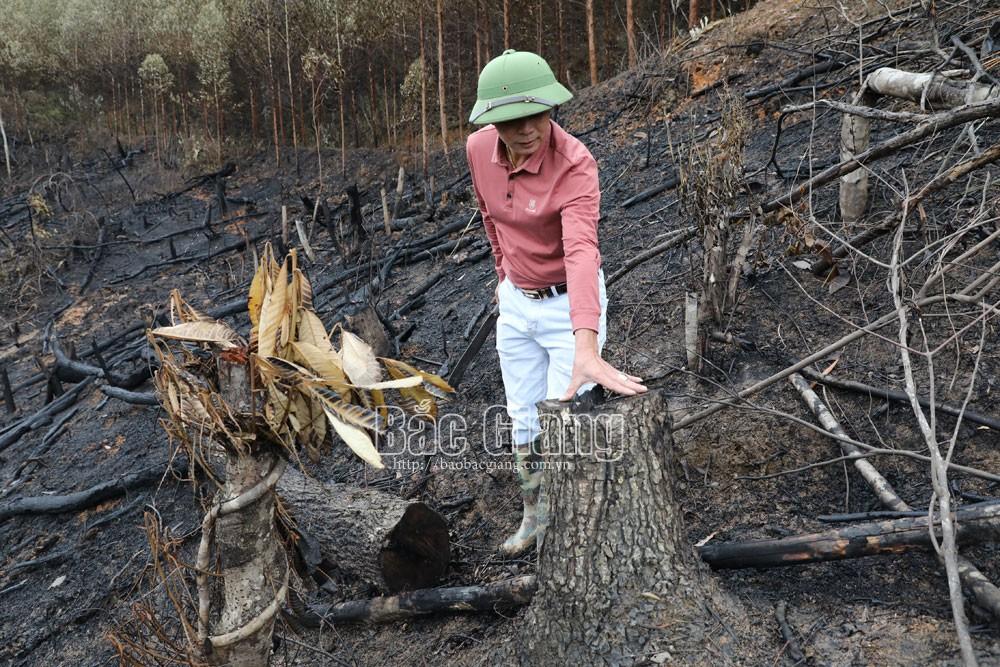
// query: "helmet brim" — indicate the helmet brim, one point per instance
point(554, 92)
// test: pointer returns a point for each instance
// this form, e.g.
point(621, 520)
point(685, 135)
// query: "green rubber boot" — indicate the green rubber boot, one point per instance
point(528, 462)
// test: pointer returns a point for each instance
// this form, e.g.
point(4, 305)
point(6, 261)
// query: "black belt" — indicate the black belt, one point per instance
point(544, 292)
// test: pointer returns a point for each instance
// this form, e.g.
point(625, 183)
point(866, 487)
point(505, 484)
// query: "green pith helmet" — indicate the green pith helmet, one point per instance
point(513, 85)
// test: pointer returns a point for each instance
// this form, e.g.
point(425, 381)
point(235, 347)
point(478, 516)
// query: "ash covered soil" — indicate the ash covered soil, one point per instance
point(66, 580)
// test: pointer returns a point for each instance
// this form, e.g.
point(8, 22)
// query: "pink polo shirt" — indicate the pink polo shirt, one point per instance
point(541, 218)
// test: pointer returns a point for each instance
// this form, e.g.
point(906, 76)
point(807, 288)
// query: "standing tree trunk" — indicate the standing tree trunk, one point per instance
point(253, 572)
point(561, 70)
point(442, 108)
point(291, 89)
point(591, 43)
point(423, 92)
point(618, 583)
point(275, 97)
point(506, 24)
point(538, 26)
point(633, 56)
point(694, 14)
point(478, 35)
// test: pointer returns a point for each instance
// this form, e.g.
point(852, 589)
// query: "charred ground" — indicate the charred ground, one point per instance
point(67, 579)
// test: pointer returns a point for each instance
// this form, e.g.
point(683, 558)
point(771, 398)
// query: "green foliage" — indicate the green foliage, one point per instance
point(155, 75)
point(211, 50)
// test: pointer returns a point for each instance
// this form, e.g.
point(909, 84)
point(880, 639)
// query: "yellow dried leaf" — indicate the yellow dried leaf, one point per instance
point(272, 313)
point(433, 384)
point(206, 331)
point(325, 364)
point(311, 330)
point(356, 439)
point(360, 362)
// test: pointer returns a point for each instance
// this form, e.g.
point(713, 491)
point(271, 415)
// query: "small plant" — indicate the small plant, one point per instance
point(241, 410)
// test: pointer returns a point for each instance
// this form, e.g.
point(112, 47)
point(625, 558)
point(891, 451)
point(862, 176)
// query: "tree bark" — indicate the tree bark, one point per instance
point(694, 14)
point(253, 572)
point(615, 553)
point(591, 43)
point(390, 543)
point(633, 56)
point(423, 93)
point(506, 24)
point(442, 108)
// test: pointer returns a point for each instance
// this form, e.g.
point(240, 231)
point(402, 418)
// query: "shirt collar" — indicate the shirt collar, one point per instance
point(533, 163)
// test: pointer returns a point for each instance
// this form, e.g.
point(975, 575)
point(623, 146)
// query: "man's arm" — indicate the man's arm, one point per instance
point(491, 230)
point(582, 257)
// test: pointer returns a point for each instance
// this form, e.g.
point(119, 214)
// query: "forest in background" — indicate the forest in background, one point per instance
point(193, 76)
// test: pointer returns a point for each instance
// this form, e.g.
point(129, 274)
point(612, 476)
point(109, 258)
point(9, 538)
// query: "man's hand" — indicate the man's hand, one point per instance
point(589, 367)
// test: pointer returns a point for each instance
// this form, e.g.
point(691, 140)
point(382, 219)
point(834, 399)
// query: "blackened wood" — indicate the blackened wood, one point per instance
point(976, 523)
point(496, 596)
point(133, 397)
point(8, 394)
point(900, 397)
point(668, 184)
point(73, 502)
point(30, 422)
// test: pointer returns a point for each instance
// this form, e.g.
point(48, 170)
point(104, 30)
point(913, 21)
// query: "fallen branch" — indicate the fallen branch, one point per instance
point(31, 422)
point(892, 395)
point(73, 502)
point(932, 124)
point(976, 523)
point(508, 593)
point(668, 184)
point(682, 236)
point(985, 593)
point(133, 397)
point(791, 642)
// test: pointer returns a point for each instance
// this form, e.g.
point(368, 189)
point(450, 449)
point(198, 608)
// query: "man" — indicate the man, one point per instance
point(539, 195)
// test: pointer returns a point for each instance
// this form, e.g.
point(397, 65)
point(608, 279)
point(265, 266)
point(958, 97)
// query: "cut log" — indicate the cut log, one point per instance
point(976, 523)
point(390, 543)
point(615, 553)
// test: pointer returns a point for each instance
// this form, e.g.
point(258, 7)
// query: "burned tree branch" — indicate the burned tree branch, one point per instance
point(73, 502)
point(495, 596)
point(977, 523)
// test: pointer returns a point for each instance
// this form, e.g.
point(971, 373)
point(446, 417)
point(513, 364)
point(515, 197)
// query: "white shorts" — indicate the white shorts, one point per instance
point(536, 346)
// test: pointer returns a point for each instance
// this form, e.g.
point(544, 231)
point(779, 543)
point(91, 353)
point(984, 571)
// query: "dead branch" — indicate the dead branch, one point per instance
point(649, 193)
point(496, 596)
point(31, 422)
point(892, 395)
point(886, 494)
point(978, 523)
point(679, 237)
point(939, 471)
point(99, 493)
point(791, 642)
point(133, 397)
point(931, 125)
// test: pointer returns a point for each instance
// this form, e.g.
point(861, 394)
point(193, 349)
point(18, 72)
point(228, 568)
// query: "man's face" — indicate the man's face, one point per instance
point(524, 136)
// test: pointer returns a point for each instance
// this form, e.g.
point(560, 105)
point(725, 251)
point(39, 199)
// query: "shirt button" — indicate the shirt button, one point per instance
point(508, 195)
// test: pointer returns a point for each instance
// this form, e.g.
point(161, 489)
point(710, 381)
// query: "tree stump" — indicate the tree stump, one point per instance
point(618, 582)
point(390, 543)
